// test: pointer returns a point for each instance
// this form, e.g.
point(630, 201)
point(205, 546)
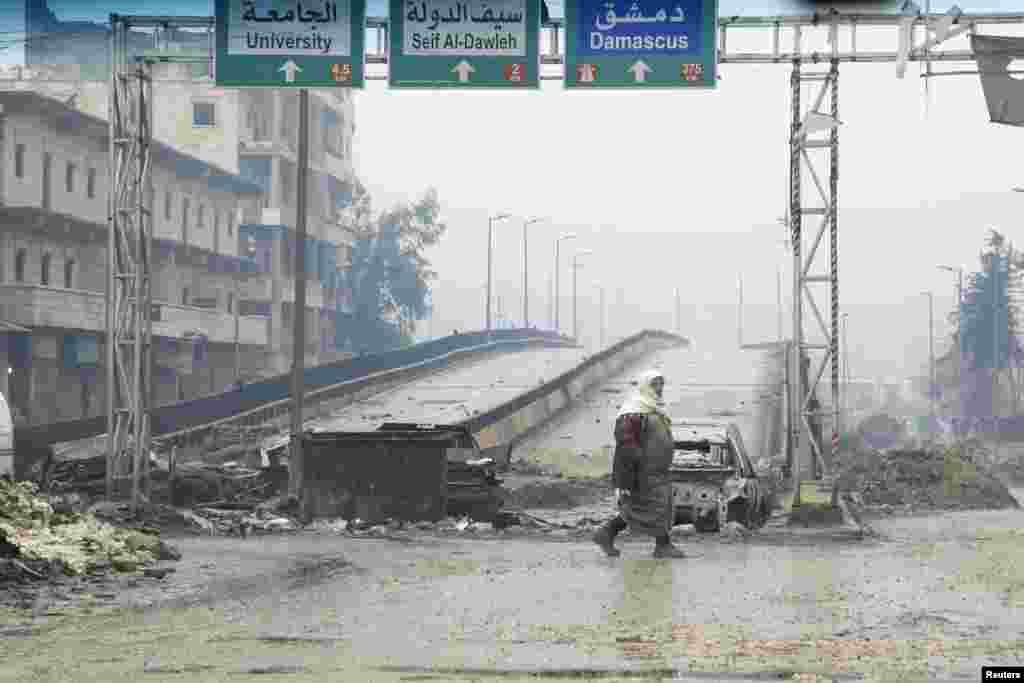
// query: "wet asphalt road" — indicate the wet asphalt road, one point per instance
point(931, 598)
point(455, 394)
point(926, 598)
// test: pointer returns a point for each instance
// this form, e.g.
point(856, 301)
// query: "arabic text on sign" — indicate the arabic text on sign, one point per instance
point(300, 13)
point(422, 13)
point(611, 19)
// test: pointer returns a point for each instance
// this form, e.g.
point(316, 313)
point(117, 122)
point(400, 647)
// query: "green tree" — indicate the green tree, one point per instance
point(990, 322)
point(390, 275)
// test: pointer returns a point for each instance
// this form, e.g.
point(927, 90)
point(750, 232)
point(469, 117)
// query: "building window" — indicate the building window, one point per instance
point(231, 223)
point(204, 114)
point(168, 199)
point(231, 303)
point(199, 216)
point(185, 296)
point(69, 178)
point(184, 221)
point(44, 271)
point(90, 184)
point(47, 164)
point(69, 274)
point(19, 161)
point(19, 266)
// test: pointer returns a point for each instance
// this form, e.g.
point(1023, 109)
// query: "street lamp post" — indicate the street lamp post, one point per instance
point(575, 267)
point(846, 375)
point(558, 244)
point(959, 335)
point(526, 281)
point(490, 252)
point(237, 304)
point(931, 362)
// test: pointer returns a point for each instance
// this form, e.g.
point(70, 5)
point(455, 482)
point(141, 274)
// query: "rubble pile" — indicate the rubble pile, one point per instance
point(560, 493)
point(37, 542)
point(194, 483)
point(918, 480)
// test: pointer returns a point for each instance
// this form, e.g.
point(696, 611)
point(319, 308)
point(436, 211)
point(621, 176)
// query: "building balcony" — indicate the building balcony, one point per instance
point(74, 309)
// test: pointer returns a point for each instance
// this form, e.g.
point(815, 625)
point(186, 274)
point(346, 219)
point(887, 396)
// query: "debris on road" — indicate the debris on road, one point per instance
point(920, 480)
point(42, 543)
point(734, 531)
point(559, 493)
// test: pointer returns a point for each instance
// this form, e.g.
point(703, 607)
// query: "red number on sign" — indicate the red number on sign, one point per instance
point(514, 72)
point(342, 73)
point(586, 73)
point(691, 72)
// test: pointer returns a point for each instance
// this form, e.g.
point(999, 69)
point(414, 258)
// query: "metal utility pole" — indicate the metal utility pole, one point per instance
point(575, 317)
point(526, 281)
point(846, 374)
point(678, 313)
point(558, 244)
point(129, 281)
point(296, 465)
point(931, 364)
point(739, 313)
point(959, 336)
point(996, 265)
point(778, 298)
point(490, 253)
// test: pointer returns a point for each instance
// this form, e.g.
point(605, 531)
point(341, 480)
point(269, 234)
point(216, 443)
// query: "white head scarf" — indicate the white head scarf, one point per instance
point(645, 399)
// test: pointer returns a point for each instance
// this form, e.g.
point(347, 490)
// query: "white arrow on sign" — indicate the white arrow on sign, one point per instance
point(290, 68)
point(640, 70)
point(464, 69)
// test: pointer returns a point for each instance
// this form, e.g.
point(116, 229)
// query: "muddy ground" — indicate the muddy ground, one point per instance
point(922, 597)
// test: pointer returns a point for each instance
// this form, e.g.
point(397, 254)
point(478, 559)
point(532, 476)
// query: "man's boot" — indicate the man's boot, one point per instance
point(605, 536)
point(663, 549)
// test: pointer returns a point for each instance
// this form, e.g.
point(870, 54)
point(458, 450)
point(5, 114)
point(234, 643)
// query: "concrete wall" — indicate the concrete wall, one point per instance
point(519, 417)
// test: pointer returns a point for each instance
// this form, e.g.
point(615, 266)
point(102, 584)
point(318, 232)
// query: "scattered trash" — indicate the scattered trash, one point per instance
point(734, 531)
point(157, 572)
point(39, 542)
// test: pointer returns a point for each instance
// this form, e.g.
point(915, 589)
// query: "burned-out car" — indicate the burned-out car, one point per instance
point(713, 480)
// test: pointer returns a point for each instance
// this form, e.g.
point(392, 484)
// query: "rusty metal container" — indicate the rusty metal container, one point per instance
point(377, 476)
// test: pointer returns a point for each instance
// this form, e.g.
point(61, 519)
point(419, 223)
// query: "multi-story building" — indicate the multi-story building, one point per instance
point(53, 251)
point(247, 136)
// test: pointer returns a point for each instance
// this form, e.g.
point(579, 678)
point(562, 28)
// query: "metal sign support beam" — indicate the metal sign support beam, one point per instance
point(129, 278)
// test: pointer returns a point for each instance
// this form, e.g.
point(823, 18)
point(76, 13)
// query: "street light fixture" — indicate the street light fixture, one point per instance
point(575, 267)
point(526, 281)
point(558, 244)
point(490, 252)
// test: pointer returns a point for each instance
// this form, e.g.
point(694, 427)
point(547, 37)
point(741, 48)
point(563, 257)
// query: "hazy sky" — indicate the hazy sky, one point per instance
point(683, 189)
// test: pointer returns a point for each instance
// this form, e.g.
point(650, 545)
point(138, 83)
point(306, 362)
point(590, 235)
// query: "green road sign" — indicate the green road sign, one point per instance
point(641, 44)
point(290, 43)
point(474, 44)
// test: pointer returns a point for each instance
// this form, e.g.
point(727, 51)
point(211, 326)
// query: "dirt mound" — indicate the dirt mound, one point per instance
point(922, 480)
point(559, 493)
